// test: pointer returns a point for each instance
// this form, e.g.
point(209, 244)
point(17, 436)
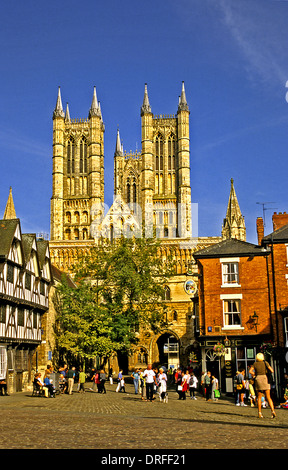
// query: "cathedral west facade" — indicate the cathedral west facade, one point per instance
point(152, 198)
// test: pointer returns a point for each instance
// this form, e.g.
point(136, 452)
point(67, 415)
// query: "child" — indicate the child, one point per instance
point(252, 396)
point(122, 385)
point(263, 402)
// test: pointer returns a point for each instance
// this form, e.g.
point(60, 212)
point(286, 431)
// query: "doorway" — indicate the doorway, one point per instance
point(212, 362)
point(168, 350)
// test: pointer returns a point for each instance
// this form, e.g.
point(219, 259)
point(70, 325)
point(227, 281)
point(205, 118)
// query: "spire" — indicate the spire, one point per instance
point(183, 106)
point(10, 212)
point(58, 111)
point(119, 147)
point(233, 224)
point(94, 110)
point(145, 108)
point(99, 109)
point(67, 115)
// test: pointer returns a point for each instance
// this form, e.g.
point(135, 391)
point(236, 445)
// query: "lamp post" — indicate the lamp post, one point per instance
point(254, 320)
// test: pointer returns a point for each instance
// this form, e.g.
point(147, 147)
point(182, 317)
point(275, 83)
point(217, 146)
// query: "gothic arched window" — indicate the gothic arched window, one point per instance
point(128, 191)
point(83, 156)
point(134, 193)
point(167, 293)
point(70, 156)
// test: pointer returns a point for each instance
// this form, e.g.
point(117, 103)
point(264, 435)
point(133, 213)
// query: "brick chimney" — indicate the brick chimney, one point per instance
point(279, 220)
point(260, 229)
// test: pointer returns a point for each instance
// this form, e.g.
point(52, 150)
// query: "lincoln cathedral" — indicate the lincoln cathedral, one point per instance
point(152, 198)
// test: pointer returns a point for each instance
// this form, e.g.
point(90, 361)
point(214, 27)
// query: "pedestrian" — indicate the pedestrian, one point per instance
point(142, 384)
point(150, 377)
point(70, 379)
point(202, 384)
point(181, 386)
point(82, 380)
point(136, 377)
point(97, 381)
point(102, 378)
point(193, 385)
point(215, 386)
point(240, 388)
point(119, 378)
point(185, 384)
point(122, 385)
point(62, 383)
point(110, 376)
point(252, 395)
point(162, 384)
point(178, 378)
point(259, 370)
point(285, 403)
point(92, 378)
point(3, 387)
point(155, 385)
point(208, 385)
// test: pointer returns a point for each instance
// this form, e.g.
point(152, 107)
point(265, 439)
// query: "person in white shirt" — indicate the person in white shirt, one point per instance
point(150, 377)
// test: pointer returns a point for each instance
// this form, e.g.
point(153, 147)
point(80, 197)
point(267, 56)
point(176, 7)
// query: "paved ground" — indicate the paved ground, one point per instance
point(123, 421)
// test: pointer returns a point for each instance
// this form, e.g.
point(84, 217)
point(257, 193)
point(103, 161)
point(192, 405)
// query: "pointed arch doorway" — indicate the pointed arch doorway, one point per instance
point(167, 346)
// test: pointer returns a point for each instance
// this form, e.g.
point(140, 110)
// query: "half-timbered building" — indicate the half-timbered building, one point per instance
point(25, 280)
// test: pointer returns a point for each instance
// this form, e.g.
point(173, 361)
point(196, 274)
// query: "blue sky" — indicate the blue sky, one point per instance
point(232, 56)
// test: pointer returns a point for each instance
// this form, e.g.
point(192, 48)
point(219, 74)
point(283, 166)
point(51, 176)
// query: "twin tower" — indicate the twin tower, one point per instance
point(153, 183)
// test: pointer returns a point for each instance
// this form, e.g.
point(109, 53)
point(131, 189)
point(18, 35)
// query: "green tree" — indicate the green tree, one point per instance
point(119, 291)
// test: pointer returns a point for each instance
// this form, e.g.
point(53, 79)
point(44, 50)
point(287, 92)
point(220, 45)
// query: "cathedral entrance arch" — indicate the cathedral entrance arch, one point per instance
point(167, 347)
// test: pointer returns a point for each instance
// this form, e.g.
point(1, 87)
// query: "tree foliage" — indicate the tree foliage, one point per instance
point(119, 292)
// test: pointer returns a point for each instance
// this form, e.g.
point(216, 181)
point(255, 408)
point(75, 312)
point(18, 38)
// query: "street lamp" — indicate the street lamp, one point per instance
point(253, 319)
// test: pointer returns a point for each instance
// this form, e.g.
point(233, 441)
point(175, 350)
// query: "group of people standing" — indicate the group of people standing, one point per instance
point(186, 381)
point(209, 386)
point(153, 380)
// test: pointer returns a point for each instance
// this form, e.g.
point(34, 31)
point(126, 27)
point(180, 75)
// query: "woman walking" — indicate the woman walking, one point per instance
point(259, 370)
point(136, 377)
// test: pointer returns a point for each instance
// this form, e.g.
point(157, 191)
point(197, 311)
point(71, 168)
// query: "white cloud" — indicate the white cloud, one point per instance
point(260, 32)
point(9, 139)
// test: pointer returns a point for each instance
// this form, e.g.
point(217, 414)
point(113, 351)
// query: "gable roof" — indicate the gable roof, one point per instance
point(279, 236)
point(230, 247)
point(7, 231)
point(28, 239)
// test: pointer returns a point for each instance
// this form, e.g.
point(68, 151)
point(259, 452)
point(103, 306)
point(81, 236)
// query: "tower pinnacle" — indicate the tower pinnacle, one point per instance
point(145, 108)
point(118, 150)
point(67, 115)
point(58, 111)
point(183, 106)
point(94, 110)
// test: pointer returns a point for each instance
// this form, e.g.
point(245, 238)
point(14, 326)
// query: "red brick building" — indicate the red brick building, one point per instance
point(234, 306)
point(277, 269)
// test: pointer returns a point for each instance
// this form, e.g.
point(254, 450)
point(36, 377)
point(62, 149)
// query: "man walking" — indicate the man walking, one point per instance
point(70, 378)
point(150, 376)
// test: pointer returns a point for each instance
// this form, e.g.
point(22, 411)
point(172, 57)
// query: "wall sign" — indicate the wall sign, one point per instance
point(190, 287)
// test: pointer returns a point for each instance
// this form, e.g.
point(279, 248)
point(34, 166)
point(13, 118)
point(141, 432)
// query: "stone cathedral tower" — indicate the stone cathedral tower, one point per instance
point(157, 180)
point(78, 171)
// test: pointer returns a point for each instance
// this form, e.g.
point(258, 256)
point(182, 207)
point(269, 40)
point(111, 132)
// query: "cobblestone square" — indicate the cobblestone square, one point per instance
point(123, 421)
